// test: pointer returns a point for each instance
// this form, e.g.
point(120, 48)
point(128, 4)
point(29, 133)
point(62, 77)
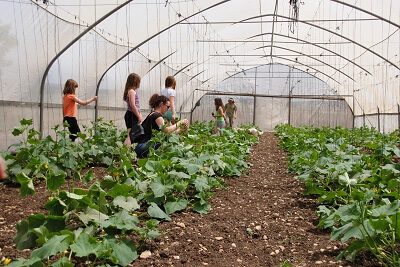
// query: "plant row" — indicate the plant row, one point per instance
point(355, 175)
point(107, 222)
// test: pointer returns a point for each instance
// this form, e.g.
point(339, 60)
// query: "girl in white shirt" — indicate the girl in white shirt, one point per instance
point(169, 91)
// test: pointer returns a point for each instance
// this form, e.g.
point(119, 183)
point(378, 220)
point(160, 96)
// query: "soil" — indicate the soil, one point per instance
point(259, 219)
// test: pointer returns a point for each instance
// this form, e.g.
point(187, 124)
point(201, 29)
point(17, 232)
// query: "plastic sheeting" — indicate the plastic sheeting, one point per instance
point(341, 49)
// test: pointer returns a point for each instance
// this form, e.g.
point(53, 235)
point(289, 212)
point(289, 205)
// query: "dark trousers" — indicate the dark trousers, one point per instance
point(73, 127)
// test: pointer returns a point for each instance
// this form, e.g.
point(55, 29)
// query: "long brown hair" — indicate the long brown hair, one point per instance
point(132, 82)
point(170, 82)
point(70, 87)
point(156, 100)
point(218, 103)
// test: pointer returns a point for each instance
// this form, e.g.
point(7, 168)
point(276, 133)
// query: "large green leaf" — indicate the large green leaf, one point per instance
point(85, 245)
point(121, 190)
point(153, 166)
point(125, 251)
point(192, 168)
point(159, 189)
point(201, 184)
point(128, 203)
point(54, 181)
point(63, 262)
point(201, 208)
point(180, 175)
point(121, 220)
point(92, 215)
point(24, 238)
point(32, 262)
point(27, 187)
point(173, 206)
point(386, 210)
point(52, 247)
point(155, 212)
point(55, 206)
point(346, 180)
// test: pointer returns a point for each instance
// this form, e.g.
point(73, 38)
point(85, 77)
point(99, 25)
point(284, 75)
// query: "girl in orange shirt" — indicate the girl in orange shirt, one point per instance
point(70, 108)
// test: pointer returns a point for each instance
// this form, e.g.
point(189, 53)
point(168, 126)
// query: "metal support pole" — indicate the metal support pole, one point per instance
point(398, 116)
point(290, 98)
point(364, 119)
point(354, 110)
point(42, 84)
point(379, 121)
point(255, 98)
point(192, 109)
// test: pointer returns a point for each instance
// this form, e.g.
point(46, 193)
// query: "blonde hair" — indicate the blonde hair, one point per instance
point(132, 82)
point(70, 87)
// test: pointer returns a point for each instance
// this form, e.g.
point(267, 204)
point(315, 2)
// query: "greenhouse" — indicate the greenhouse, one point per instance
point(327, 70)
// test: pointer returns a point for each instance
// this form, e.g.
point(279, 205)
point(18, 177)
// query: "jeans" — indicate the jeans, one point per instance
point(142, 149)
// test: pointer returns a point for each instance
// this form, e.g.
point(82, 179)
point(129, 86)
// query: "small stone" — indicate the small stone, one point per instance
point(205, 263)
point(219, 238)
point(233, 245)
point(145, 254)
point(277, 251)
point(272, 253)
point(335, 247)
point(318, 262)
point(181, 224)
point(258, 227)
point(176, 257)
point(239, 260)
point(322, 250)
point(265, 237)
point(281, 248)
point(315, 244)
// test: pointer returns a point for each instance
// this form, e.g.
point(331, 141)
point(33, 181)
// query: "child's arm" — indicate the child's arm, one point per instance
point(85, 102)
point(172, 101)
point(3, 173)
point(131, 97)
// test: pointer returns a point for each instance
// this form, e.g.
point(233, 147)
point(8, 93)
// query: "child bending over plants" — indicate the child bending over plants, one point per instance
point(155, 121)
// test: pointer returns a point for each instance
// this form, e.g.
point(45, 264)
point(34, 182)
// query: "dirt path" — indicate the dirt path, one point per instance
point(259, 219)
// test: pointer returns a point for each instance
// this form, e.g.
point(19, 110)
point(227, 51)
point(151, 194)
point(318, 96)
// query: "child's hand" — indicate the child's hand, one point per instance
point(140, 118)
point(3, 173)
point(95, 98)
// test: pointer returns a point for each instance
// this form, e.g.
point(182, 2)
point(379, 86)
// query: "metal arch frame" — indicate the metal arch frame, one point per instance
point(196, 75)
point(327, 30)
point(367, 12)
point(179, 71)
point(46, 72)
point(288, 67)
point(306, 42)
point(161, 60)
point(323, 73)
point(300, 53)
point(148, 39)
